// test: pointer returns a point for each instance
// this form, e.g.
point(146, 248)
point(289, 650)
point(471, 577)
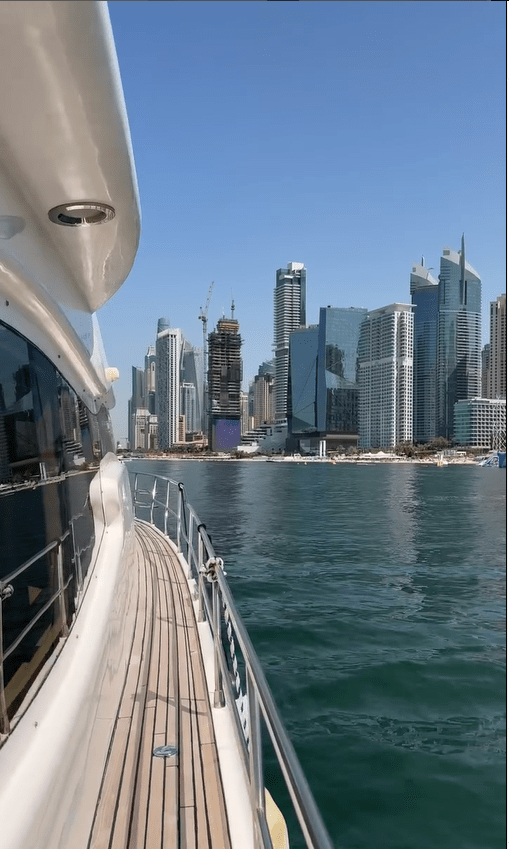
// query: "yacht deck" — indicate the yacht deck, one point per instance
point(147, 802)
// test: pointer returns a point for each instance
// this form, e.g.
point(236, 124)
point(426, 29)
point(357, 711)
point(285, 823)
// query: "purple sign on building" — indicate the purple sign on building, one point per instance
point(225, 434)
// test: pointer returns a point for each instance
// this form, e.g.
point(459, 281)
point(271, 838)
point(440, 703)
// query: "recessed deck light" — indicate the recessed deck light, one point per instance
point(81, 214)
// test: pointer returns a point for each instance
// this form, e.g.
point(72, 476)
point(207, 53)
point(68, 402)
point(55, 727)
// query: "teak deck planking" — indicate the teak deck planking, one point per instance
point(147, 802)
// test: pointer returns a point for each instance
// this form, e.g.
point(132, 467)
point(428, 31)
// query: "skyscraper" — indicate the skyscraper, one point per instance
point(192, 374)
point(289, 314)
point(224, 380)
point(485, 371)
point(337, 387)
point(303, 351)
point(386, 376)
point(169, 345)
point(459, 336)
point(424, 294)
point(497, 370)
point(137, 412)
point(263, 399)
point(150, 379)
point(188, 406)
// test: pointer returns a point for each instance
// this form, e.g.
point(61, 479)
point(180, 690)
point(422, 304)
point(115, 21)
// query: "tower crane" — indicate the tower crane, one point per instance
point(203, 318)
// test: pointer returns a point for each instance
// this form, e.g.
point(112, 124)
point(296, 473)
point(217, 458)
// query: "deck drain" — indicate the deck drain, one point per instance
point(165, 752)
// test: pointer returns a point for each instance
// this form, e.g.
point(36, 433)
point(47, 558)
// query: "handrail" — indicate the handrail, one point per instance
point(7, 590)
point(251, 696)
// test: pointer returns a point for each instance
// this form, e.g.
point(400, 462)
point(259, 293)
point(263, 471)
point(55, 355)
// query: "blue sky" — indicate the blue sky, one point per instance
point(355, 137)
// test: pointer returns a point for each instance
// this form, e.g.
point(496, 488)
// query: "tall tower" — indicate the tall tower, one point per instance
point(497, 370)
point(192, 375)
point(337, 387)
point(136, 408)
point(386, 376)
point(150, 379)
point(424, 294)
point(289, 314)
point(169, 345)
point(459, 336)
point(224, 381)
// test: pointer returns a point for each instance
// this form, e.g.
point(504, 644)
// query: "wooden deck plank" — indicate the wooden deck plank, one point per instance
point(162, 803)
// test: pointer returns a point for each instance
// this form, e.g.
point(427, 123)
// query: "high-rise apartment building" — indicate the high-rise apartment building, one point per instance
point(481, 423)
point(188, 406)
point(224, 381)
point(459, 336)
point(424, 294)
point(289, 314)
point(263, 399)
point(169, 344)
point(386, 377)
point(497, 370)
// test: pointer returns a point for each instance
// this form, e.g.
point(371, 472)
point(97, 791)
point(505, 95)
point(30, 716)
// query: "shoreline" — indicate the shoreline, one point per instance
point(362, 461)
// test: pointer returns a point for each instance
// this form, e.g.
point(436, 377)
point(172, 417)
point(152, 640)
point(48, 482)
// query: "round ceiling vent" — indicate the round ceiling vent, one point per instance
point(81, 214)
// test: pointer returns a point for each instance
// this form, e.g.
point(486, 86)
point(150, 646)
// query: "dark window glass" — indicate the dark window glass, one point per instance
point(50, 449)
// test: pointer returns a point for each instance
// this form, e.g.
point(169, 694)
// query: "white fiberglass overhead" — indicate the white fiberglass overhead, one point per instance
point(64, 140)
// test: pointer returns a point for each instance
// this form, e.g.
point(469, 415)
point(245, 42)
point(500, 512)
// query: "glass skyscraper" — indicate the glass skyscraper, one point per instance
point(303, 349)
point(424, 293)
point(459, 336)
point(337, 387)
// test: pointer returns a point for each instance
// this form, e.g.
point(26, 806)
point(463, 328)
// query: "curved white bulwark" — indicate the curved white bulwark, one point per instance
point(64, 139)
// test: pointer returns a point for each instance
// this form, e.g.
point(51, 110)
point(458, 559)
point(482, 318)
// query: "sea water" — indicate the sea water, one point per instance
point(375, 597)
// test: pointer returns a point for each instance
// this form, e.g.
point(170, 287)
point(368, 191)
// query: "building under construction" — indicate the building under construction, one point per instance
point(224, 381)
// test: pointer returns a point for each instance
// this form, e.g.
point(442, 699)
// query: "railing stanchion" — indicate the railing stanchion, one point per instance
point(60, 572)
point(218, 681)
point(255, 744)
point(154, 491)
point(77, 559)
point(179, 518)
point(4, 719)
point(201, 612)
point(167, 507)
point(190, 549)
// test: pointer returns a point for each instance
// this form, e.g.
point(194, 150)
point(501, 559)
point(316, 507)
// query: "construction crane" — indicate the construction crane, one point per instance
point(203, 317)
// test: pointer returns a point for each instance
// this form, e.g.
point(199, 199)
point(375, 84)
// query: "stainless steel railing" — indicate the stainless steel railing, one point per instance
point(239, 678)
point(63, 618)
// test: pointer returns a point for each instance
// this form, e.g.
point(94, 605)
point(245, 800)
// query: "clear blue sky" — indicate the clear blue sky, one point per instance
point(355, 137)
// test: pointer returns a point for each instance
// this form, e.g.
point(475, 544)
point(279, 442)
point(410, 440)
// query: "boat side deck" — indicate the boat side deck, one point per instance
point(147, 802)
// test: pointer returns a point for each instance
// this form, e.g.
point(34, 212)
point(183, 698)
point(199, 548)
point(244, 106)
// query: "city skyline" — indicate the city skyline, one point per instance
point(355, 377)
point(357, 160)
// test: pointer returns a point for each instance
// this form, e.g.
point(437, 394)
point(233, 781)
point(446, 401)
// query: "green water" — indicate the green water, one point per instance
point(375, 598)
